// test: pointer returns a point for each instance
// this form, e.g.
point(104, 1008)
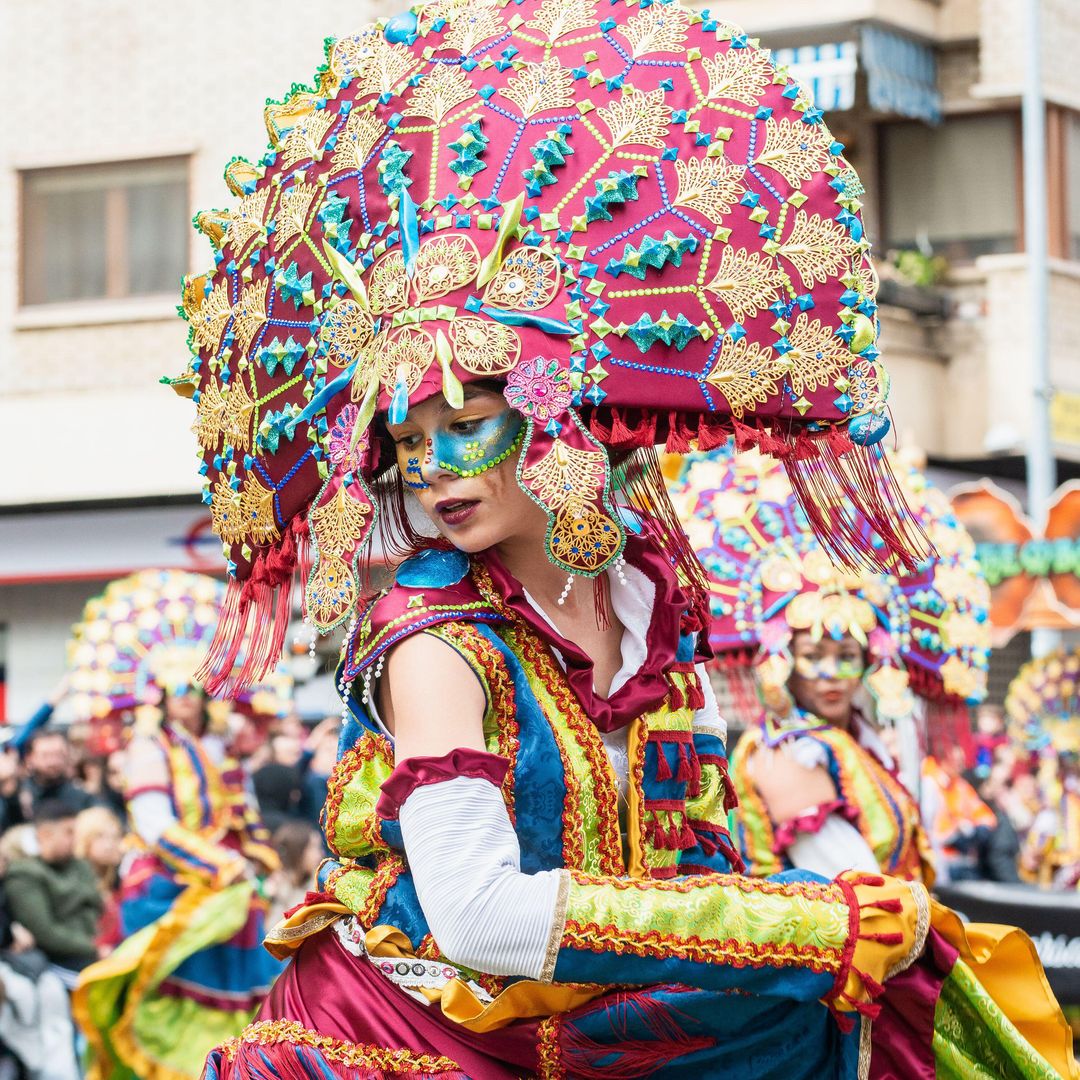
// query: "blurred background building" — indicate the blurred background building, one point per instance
point(122, 116)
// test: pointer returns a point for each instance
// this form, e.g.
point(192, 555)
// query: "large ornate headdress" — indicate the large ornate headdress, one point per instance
point(1043, 704)
point(924, 630)
point(624, 212)
point(145, 636)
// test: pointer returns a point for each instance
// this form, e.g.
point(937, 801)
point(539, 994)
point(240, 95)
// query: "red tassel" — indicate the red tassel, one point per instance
point(843, 492)
point(621, 435)
point(711, 432)
point(873, 987)
point(884, 939)
point(687, 839)
point(893, 906)
point(863, 1008)
point(693, 788)
point(619, 1057)
point(676, 698)
point(684, 772)
point(695, 695)
point(677, 441)
point(254, 618)
point(844, 1021)
point(663, 766)
point(708, 844)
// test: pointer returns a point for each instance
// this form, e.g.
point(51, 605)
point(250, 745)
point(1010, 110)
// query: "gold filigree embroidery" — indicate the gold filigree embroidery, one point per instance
point(554, 18)
point(638, 117)
point(540, 87)
point(292, 212)
point(451, 10)
point(484, 347)
point(257, 506)
point(249, 314)
point(473, 27)
point(208, 319)
point(238, 515)
point(330, 591)
point(583, 537)
point(304, 139)
point(867, 389)
point(737, 75)
point(711, 186)
point(210, 412)
point(527, 280)
point(346, 332)
point(388, 285)
point(658, 29)
point(817, 248)
point(227, 512)
point(362, 131)
point(338, 523)
point(746, 282)
point(411, 353)
point(246, 221)
point(563, 473)
point(817, 356)
point(745, 373)
point(236, 415)
point(795, 150)
point(443, 265)
point(442, 88)
point(376, 65)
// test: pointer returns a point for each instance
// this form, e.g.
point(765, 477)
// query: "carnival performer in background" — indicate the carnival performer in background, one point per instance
point(1043, 707)
point(453, 278)
point(835, 656)
point(190, 969)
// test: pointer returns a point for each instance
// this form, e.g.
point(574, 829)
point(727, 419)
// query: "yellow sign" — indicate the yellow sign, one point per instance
point(1065, 418)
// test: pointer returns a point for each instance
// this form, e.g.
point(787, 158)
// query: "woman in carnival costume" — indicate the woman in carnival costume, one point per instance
point(190, 970)
point(836, 659)
point(1043, 707)
point(818, 789)
point(494, 256)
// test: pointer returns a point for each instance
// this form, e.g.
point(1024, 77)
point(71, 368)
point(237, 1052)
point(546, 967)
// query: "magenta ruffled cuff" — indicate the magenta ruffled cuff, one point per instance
point(811, 822)
point(419, 771)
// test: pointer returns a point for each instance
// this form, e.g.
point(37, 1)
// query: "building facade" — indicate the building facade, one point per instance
point(122, 116)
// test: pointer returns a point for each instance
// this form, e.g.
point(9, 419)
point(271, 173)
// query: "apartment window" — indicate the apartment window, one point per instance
point(93, 232)
point(1072, 184)
point(953, 188)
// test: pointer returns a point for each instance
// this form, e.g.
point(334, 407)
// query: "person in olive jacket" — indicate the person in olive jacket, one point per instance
point(54, 895)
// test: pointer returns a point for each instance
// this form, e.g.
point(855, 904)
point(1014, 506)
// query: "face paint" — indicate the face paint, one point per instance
point(829, 668)
point(466, 447)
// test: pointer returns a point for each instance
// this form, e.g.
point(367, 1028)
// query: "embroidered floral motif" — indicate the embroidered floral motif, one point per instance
point(539, 389)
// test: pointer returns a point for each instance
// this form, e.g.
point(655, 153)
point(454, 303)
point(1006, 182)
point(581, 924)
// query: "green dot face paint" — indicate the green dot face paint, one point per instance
point(829, 668)
point(466, 446)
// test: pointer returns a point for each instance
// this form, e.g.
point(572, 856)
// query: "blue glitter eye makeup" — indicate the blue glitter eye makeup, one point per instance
point(467, 446)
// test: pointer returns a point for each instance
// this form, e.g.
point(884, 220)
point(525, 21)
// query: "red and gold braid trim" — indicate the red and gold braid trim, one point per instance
point(826, 891)
point(549, 1049)
point(569, 721)
point(367, 748)
point(390, 868)
point(592, 937)
point(339, 1052)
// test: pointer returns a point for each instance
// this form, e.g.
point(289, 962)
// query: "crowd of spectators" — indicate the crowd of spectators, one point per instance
point(63, 840)
point(995, 812)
